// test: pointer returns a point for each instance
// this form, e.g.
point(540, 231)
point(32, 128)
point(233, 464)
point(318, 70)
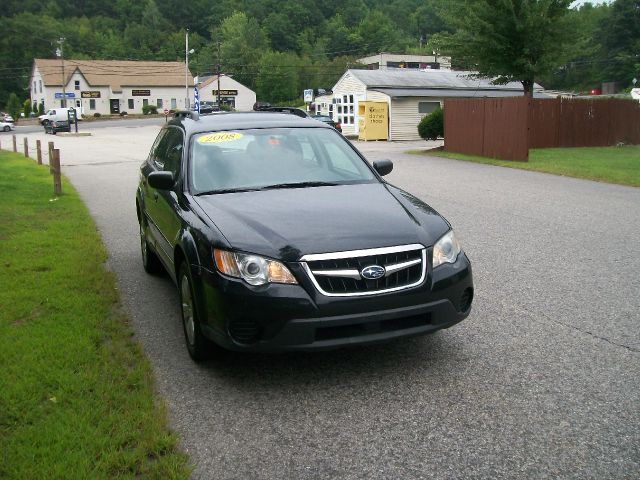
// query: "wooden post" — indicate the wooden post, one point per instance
point(15, 144)
point(39, 152)
point(26, 147)
point(57, 181)
point(50, 157)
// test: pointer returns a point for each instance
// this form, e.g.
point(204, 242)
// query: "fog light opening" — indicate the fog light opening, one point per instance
point(466, 299)
point(245, 332)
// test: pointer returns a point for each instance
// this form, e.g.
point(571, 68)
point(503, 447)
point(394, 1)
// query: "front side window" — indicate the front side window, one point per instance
point(237, 160)
point(173, 153)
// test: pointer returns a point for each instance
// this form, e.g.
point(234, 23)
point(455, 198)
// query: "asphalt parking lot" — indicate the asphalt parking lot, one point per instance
point(541, 381)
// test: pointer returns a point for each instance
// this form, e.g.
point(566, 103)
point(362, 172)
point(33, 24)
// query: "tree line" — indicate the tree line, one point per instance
point(278, 47)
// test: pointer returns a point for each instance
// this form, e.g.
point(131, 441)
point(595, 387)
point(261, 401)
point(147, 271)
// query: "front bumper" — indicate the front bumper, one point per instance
point(298, 318)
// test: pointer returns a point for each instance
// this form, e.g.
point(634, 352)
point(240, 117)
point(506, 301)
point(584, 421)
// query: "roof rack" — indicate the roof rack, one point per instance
point(195, 116)
point(293, 110)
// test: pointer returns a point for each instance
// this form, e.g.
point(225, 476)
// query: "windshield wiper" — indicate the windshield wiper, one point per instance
point(226, 190)
point(299, 185)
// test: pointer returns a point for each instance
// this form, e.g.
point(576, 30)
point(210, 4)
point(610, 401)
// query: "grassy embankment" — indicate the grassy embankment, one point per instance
point(619, 165)
point(76, 392)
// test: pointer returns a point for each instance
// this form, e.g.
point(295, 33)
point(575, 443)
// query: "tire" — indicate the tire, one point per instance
point(200, 348)
point(150, 260)
point(7, 128)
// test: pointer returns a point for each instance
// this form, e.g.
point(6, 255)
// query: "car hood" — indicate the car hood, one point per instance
point(292, 222)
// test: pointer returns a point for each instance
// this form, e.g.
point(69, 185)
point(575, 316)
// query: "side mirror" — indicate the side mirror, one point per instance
point(161, 180)
point(383, 167)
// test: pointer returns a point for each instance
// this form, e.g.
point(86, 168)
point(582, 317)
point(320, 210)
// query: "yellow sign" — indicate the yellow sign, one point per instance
point(220, 137)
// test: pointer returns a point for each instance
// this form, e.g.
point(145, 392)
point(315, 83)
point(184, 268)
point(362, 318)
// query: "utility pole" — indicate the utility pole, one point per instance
point(63, 101)
point(219, 105)
point(186, 70)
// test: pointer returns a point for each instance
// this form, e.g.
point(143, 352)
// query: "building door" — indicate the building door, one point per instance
point(115, 106)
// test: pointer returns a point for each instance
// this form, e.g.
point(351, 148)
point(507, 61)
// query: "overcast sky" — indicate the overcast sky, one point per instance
point(595, 2)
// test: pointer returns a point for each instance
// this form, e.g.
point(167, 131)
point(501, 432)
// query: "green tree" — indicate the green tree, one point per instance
point(511, 40)
point(242, 44)
point(14, 106)
point(278, 80)
point(26, 108)
point(620, 34)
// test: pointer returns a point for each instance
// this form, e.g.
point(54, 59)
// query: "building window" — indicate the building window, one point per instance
point(40, 85)
point(76, 85)
point(174, 104)
point(34, 88)
point(92, 104)
point(159, 103)
point(130, 102)
point(427, 107)
point(145, 102)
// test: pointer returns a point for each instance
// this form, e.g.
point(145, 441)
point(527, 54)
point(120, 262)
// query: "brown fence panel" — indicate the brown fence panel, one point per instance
point(625, 122)
point(489, 127)
point(464, 126)
point(505, 131)
point(584, 123)
point(545, 123)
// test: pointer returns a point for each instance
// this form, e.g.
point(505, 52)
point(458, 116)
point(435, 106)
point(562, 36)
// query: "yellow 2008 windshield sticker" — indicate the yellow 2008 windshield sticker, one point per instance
point(220, 137)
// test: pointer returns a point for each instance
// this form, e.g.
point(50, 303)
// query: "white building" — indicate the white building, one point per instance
point(232, 93)
point(387, 61)
point(110, 86)
point(410, 94)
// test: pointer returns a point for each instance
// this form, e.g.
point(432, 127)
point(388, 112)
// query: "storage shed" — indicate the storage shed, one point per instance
point(410, 94)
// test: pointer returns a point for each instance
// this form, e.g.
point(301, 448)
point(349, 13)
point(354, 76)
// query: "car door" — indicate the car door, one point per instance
point(154, 163)
point(166, 206)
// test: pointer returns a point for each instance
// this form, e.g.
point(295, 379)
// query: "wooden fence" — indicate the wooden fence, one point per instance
point(507, 127)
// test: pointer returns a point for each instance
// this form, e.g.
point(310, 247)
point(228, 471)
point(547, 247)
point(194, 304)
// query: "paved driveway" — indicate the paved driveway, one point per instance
point(541, 381)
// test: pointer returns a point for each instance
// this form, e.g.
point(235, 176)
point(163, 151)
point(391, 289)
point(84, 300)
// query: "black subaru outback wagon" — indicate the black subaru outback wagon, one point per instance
point(280, 236)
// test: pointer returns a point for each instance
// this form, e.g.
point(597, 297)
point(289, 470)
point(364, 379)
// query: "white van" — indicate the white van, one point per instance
point(57, 114)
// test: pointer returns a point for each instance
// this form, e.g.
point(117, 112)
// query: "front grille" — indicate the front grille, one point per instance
point(372, 328)
point(338, 274)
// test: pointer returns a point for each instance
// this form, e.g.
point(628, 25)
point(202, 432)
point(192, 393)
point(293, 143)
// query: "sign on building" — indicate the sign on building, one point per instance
point(225, 93)
point(90, 94)
point(140, 93)
point(66, 95)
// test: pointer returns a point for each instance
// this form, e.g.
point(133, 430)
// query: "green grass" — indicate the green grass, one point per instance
point(604, 164)
point(76, 393)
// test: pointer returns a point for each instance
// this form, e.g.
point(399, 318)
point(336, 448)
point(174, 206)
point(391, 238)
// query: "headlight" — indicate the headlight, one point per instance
point(446, 249)
point(253, 269)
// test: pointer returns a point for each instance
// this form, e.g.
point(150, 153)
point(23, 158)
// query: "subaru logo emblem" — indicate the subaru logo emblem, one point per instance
point(372, 272)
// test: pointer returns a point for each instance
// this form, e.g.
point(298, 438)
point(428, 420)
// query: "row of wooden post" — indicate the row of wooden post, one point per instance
point(54, 161)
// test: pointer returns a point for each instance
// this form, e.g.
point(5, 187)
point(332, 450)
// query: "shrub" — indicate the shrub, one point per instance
point(149, 109)
point(123, 114)
point(41, 108)
point(26, 108)
point(34, 108)
point(97, 115)
point(432, 126)
point(14, 106)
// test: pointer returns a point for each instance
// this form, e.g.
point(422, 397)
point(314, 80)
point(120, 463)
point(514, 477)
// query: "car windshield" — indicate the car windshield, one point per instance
point(237, 160)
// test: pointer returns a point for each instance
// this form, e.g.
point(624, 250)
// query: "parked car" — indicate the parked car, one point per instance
point(280, 236)
point(7, 118)
point(328, 120)
point(6, 126)
point(55, 126)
